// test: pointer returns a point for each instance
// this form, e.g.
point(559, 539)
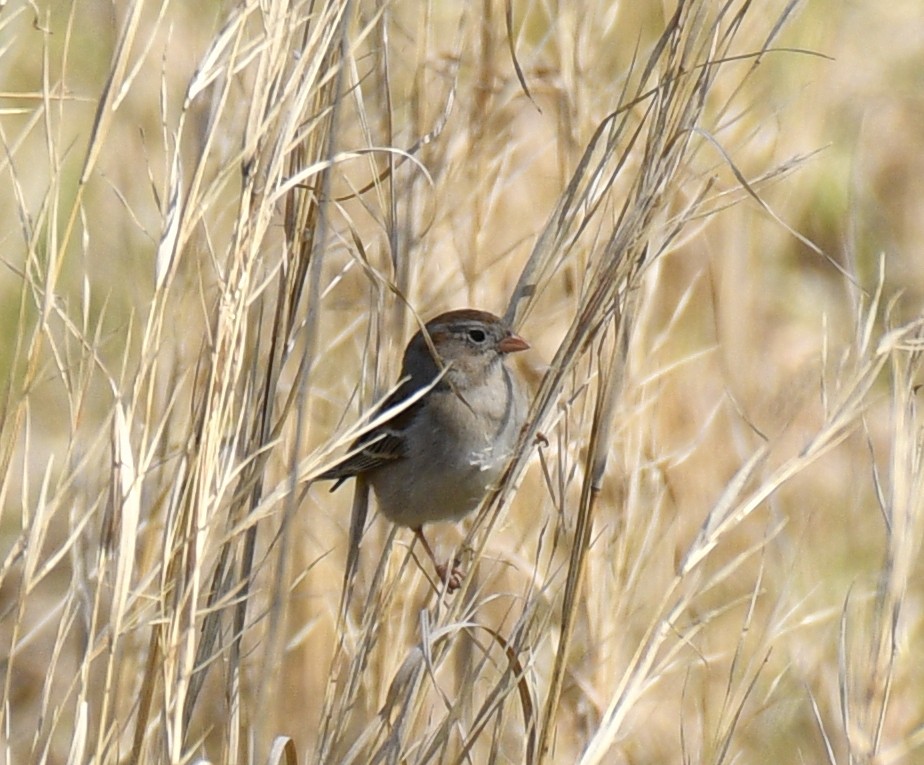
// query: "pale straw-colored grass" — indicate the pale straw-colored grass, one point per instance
point(222, 224)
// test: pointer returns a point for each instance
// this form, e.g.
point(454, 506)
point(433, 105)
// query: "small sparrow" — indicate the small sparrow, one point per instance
point(434, 460)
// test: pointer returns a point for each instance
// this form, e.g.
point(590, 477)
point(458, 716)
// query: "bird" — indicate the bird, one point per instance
point(434, 459)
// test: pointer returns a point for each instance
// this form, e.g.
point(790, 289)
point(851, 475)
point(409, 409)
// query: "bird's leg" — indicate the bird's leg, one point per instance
point(451, 577)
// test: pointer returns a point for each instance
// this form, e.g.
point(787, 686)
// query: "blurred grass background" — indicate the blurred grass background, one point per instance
point(128, 228)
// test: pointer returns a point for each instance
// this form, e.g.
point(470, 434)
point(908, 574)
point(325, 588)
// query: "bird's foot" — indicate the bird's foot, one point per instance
point(451, 577)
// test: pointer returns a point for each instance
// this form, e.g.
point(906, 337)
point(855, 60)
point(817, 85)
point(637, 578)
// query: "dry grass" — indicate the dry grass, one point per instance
point(221, 224)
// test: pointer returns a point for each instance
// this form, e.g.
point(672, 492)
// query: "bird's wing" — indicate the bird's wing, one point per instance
point(380, 446)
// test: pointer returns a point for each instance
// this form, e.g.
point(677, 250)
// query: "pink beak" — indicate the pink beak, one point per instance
point(512, 344)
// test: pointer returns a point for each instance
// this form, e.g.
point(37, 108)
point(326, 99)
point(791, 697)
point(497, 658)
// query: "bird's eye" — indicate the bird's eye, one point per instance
point(477, 335)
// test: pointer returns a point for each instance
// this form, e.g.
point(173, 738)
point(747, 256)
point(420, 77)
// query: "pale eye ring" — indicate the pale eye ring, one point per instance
point(477, 335)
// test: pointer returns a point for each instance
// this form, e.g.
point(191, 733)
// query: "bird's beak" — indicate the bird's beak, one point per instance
point(512, 344)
